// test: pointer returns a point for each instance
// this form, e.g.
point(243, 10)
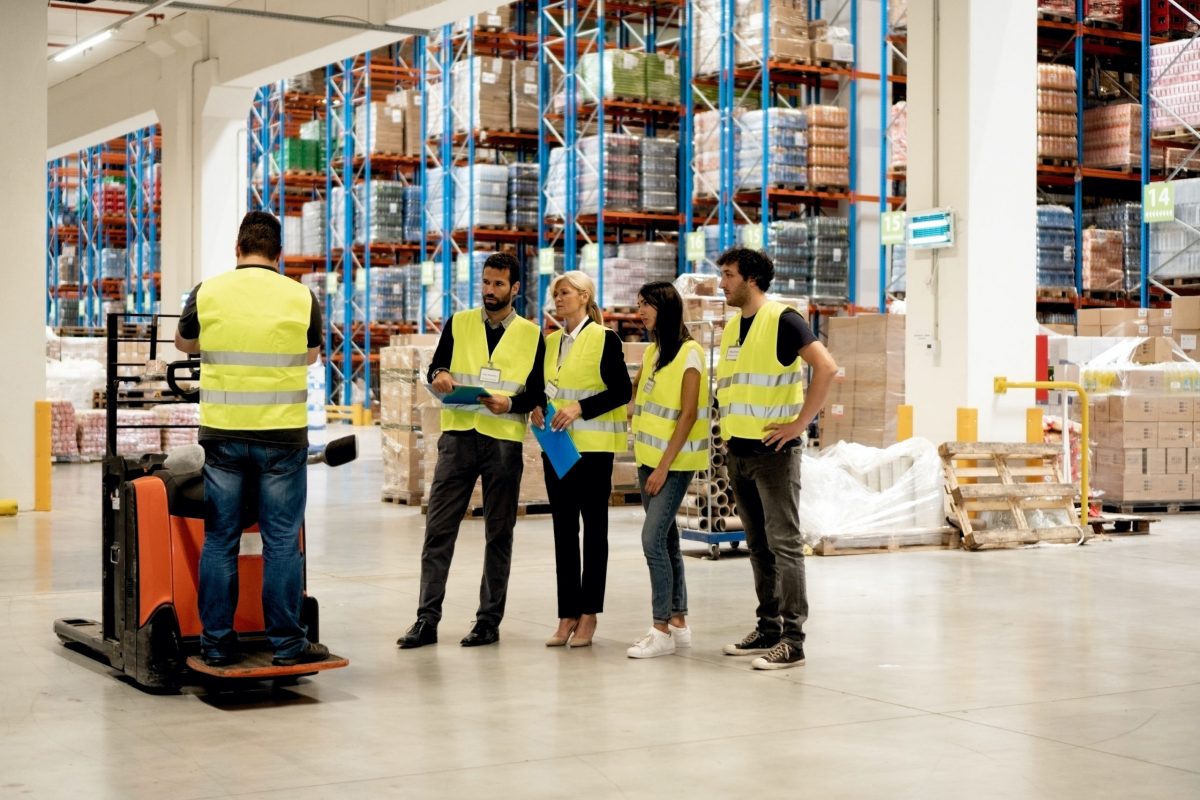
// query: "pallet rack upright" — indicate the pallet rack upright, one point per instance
point(141, 220)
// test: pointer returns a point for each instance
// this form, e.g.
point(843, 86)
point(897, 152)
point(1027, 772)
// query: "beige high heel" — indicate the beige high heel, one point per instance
point(575, 641)
point(560, 641)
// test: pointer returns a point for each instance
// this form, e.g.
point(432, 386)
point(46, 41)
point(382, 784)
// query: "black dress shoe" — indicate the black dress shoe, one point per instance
point(420, 634)
point(480, 635)
point(221, 659)
point(312, 652)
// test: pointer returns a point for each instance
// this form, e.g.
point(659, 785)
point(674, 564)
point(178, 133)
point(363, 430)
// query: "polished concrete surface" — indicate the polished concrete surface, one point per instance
point(1053, 672)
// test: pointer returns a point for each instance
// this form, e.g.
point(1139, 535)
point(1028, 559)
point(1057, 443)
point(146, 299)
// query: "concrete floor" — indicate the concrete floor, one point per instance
point(1053, 672)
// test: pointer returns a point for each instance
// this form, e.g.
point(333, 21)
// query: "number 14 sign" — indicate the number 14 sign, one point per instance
point(1158, 202)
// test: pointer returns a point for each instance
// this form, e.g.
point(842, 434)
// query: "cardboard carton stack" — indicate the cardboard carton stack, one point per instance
point(828, 146)
point(785, 37)
point(1183, 318)
point(861, 407)
point(1112, 137)
point(1103, 260)
point(1117, 322)
point(524, 96)
point(379, 128)
point(1145, 444)
point(402, 398)
point(830, 44)
point(1056, 103)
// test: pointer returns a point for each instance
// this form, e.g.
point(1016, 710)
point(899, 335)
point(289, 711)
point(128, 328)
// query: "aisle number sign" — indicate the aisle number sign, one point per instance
point(891, 227)
point(427, 268)
point(752, 235)
point(331, 283)
point(1158, 202)
point(695, 246)
point(928, 230)
point(546, 261)
point(591, 258)
point(462, 269)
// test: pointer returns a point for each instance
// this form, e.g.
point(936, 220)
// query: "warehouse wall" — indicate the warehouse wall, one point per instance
point(972, 147)
point(23, 209)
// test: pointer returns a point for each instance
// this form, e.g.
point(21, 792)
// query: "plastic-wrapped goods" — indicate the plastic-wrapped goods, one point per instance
point(310, 82)
point(1061, 148)
point(706, 142)
point(91, 424)
point(524, 96)
point(523, 196)
point(621, 173)
point(68, 266)
point(109, 197)
point(384, 207)
point(178, 414)
point(898, 136)
point(1109, 11)
point(293, 236)
point(828, 152)
point(492, 19)
point(1056, 76)
point(899, 279)
point(62, 429)
point(412, 291)
point(659, 168)
point(412, 214)
point(1057, 8)
point(1175, 76)
point(786, 131)
point(1103, 260)
point(1055, 101)
point(867, 497)
point(112, 263)
point(1172, 254)
point(662, 78)
point(378, 128)
point(389, 294)
point(624, 76)
point(337, 217)
point(1055, 247)
point(482, 189)
point(468, 287)
point(829, 247)
point(146, 437)
point(316, 396)
point(312, 228)
point(1052, 124)
point(788, 247)
point(861, 404)
point(481, 94)
point(1112, 137)
point(635, 265)
point(784, 37)
point(827, 116)
point(318, 283)
point(1126, 218)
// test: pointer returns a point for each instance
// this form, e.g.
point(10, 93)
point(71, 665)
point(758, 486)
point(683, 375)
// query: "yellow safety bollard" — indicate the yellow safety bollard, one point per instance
point(904, 423)
point(1034, 432)
point(41, 455)
point(968, 425)
point(8, 507)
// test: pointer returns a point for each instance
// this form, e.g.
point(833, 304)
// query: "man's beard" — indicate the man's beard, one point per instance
point(495, 303)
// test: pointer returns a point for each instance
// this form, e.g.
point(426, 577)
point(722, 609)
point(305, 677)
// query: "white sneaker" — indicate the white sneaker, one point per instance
point(681, 636)
point(655, 643)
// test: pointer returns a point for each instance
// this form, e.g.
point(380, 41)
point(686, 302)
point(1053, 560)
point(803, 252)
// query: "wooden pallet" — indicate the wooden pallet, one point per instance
point(887, 542)
point(1107, 24)
point(1055, 17)
point(1055, 293)
point(1180, 283)
point(1153, 507)
point(1121, 524)
point(625, 497)
point(1047, 161)
point(402, 498)
point(993, 478)
point(1177, 134)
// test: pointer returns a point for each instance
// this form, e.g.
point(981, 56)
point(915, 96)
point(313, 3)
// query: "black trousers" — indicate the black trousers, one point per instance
point(583, 493)
point(463, 458)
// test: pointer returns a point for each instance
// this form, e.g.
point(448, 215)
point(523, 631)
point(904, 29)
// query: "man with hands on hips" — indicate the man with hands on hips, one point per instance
point(764, 412)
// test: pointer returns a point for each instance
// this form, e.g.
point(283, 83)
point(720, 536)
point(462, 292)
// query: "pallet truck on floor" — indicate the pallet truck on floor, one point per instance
point(152, 509)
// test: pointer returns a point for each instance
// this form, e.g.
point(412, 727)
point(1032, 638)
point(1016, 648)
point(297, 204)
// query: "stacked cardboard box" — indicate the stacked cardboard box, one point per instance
point(828, 146)
point(861, 407)
point(1103, 260)
point(402, 397)
point(1184, 322)
point(662, 78)
point(1145, 446)
point(493, 19)
point(408, 103)
point(524, 98)
point(378, 128)
point(1057, 98)
point(830, 43)
point(1117, 322)
point(482, 94)
point(785, 37)
point(624, 76)
point(1112, 137)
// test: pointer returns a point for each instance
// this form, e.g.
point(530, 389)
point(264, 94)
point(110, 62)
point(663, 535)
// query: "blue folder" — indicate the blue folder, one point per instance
point(464, 396)
point(557, 445)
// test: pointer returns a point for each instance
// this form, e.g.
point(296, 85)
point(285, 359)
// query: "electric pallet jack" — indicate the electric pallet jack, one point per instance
point(153, 532)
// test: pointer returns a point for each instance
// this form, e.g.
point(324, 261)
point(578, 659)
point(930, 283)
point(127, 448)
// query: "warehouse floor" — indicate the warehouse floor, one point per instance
point(1053, 672)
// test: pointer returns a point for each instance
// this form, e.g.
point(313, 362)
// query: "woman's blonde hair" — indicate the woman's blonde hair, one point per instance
point(582, 283)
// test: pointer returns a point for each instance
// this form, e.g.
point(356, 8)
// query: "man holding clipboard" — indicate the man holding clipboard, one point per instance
point(487, 369)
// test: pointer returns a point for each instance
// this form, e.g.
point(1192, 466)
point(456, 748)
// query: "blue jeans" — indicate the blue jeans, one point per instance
point(235, 473)
point(660, 544)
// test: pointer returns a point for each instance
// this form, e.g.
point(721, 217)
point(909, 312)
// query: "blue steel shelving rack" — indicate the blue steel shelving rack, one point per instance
point(141, 221)
point(569, 30)
point(56, 172)
point(888, 49)
point(264, 150)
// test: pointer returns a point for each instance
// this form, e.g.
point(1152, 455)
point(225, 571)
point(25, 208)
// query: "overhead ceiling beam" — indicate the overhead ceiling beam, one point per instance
point(333, 21)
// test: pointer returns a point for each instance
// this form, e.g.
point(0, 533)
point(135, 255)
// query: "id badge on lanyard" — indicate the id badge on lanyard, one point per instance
point(648, 386)
point(733, 352)
point(489, 376)
point(552, 390)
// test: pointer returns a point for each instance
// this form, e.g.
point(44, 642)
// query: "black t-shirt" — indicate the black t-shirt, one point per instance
point(189, 328)
point(794, 335)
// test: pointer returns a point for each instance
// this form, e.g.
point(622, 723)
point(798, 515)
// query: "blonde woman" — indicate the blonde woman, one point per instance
point(588, 384)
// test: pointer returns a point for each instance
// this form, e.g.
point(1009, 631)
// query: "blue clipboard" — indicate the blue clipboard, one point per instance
point(464, 396)
point(557, 445)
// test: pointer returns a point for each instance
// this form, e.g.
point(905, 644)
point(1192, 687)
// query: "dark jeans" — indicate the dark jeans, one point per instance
point(583, 492)
point(463, 458)
point(767, 491)
point(233, 472)
point(660, 544)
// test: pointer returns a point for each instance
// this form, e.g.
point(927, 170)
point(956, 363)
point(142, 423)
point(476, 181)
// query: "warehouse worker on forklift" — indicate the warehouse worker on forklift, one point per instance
point(764, 413)
point(493, 348)
point(256, 332)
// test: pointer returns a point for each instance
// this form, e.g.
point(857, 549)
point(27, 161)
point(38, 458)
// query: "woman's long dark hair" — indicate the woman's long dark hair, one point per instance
point(669, 331)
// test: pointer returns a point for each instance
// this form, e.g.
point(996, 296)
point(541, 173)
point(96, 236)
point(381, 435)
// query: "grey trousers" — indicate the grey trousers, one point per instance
point(463, 458)
point(767, 491)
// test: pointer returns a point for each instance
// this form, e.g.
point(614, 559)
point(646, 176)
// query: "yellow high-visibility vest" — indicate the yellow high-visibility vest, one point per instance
point(578, 379)
point(513, 357)
point(657, 408)
point(753, 388)
point(254, 351)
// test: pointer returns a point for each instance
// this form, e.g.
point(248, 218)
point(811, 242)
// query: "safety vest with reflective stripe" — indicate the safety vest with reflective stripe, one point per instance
point(755, 390)
point(513, 357)
point(254, 351)
point(656, 412)
point(578, 379)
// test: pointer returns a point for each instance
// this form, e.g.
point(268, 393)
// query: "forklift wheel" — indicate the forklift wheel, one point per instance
point(734, 545)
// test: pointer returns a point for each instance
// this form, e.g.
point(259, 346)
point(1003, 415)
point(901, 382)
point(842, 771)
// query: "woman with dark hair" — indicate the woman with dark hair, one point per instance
point(670, 442)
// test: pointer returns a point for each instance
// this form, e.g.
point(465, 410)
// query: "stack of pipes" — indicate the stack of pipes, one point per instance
point(708, 504)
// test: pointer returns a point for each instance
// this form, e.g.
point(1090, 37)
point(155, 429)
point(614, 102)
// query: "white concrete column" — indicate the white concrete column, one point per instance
point(866, 232)
point(23, 208)
point(972, 105)
point(202, 163)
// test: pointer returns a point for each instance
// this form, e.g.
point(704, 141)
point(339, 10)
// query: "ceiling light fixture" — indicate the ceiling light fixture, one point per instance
point(79, 47)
